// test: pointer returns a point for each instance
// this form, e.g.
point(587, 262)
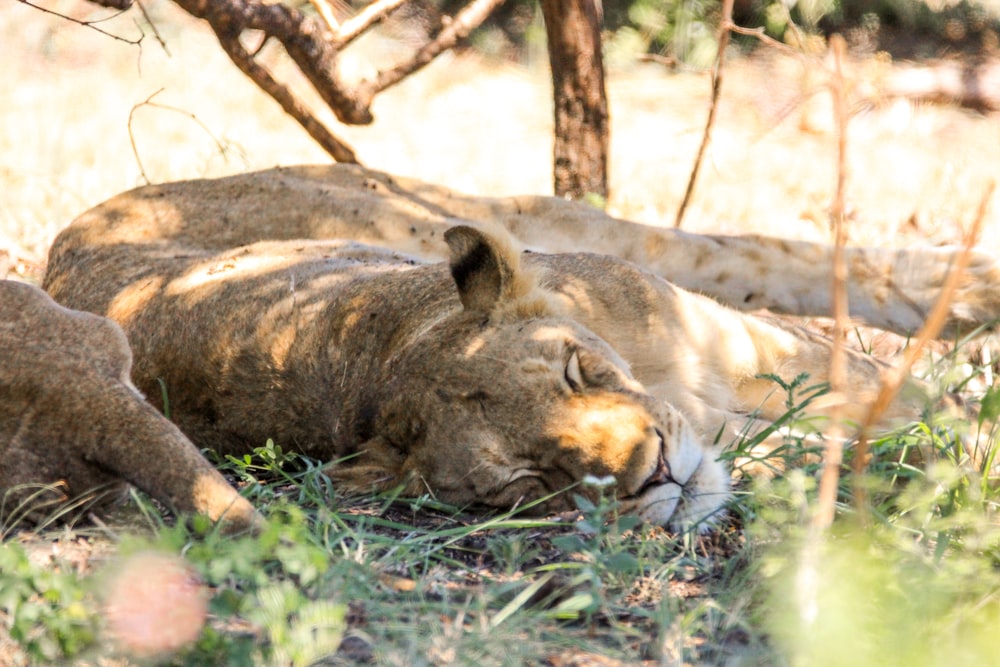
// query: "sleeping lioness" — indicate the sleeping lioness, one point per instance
point(306, 305)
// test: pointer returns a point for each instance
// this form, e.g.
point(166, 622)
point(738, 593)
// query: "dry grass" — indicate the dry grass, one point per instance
point(915, 171)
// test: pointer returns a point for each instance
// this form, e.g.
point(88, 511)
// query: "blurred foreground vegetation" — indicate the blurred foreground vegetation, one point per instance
point(909, 577)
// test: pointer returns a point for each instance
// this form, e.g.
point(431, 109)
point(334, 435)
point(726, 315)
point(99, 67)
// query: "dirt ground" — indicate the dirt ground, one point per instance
point(71, 130)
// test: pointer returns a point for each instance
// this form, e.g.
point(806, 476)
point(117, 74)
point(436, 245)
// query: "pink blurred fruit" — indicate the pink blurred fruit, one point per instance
point(155, 604)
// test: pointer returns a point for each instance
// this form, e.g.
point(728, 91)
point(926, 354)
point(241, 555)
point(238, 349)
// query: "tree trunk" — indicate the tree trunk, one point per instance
point(580, 163)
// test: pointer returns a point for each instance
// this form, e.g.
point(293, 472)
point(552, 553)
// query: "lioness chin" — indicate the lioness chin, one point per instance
point(495, 378)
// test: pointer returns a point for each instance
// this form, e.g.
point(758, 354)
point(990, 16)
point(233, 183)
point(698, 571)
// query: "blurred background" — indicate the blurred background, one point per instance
point(85, 115)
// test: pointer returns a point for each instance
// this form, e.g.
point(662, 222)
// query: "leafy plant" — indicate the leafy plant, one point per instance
point(415, 581)
point(598, 543)
point(48, 611)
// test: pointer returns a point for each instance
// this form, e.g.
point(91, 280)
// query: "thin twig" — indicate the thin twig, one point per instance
point(325, 12)
point(765, 39)
point(90, 24)
point(834, 451)
point(725, 25)
point(152, 26)
point(148, 102)
point(357, 24)
point(807, 575)
point(669, 62)
point(131, 136)
point(461, 25)
point(932, 326)
point(339, 150)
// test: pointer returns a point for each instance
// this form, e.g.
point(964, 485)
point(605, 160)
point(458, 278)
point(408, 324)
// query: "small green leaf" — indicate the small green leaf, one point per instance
point(583, 504)
point(628, 522)
point(621, 563)
point(989, 406)
point(569, 543)
point(572, 606)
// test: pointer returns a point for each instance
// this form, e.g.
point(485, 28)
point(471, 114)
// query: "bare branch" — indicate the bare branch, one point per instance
point(122, 6)
point(725, 26)
point(339, 150)
point(326, 13)
point(669, 62)
point(314, 45)
point(461, 25)
point(371, 14)
point(765, 39)
point(308, 42)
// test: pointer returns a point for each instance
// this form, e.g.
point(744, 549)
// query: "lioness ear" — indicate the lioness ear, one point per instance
point(482, 266)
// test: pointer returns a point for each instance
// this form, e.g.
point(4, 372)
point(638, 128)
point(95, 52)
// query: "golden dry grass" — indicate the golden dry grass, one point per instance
point(916, 171)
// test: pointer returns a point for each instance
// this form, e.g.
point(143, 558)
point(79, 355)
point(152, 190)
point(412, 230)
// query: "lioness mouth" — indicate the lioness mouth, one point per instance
point(662, 474)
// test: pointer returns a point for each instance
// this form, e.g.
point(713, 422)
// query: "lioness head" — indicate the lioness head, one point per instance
point(506, 401)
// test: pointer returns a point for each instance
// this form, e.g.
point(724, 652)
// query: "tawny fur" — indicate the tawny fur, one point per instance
point(72, 423)
point(297, 304)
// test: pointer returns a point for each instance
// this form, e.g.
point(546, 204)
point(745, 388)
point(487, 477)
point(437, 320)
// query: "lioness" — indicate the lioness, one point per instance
point(304, 305)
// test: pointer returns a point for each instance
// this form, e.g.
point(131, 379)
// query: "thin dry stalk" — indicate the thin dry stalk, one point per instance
point(765, 39)
point(364, 19)
point(325, 12)
point(338, 149)
point(725, 26)
point(152, 26)
point(148, 102)
point(834, 452)
point(935, 321)
point(463, 23)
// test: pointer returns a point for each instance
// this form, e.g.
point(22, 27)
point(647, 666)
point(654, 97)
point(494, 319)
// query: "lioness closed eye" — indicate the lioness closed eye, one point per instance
point(494, 378)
